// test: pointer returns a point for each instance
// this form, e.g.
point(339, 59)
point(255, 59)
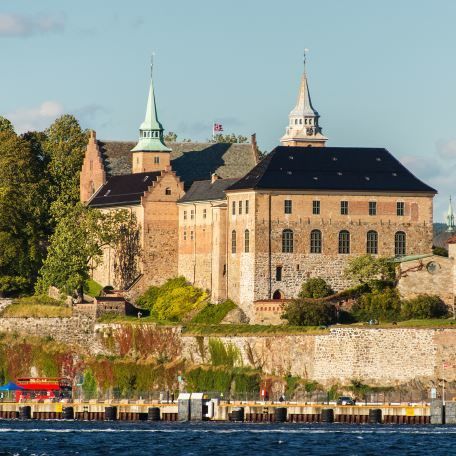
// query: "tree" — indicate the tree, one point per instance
point(170, 137)
point(6, 125)
point(384, 305)
point(127, 250)
point(369, 269)
point(65, 146)
point(315, 287)
point(230, 138)
point(21, 214)
point(302, 312)
point(423, 307)
point(77, 244)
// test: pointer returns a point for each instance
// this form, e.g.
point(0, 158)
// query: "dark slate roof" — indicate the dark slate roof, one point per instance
point(191, 161)
point(331, 168)
point(206, 190)
point(441, 239)
point(120, 190)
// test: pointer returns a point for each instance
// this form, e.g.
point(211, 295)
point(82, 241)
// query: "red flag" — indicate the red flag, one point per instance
point(218, 127)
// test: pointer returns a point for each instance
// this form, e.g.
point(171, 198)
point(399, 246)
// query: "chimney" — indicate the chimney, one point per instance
point(214, 177)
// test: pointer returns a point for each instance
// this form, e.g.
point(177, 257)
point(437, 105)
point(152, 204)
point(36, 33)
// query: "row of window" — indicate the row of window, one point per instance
point(344, 207)
point(316, 242)
point(307, 121)
point(242, 206)
point(192, 214)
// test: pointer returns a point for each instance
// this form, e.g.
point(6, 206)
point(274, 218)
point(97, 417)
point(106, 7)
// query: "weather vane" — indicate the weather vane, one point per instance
point(305, 57)
point(152, 63)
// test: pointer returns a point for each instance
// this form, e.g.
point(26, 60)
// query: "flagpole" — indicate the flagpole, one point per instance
point(443, 387)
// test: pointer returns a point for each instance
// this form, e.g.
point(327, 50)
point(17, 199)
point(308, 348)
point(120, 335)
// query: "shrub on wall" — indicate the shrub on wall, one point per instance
point(301, 312)
point(222, 355)
point(315, 287)
point(173, 300)
point(384, 305)
point(424, 306)
point(213, 314)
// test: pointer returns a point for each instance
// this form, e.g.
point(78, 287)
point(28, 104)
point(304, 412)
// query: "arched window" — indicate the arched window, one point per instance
point(233, 241)
point(315, 241)
point(287, 241)
point(246, 241)
point(372, 243)
point(399, 243)
point(344, 242)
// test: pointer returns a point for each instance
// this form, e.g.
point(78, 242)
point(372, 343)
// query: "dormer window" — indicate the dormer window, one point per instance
point(145, 178)
point(107, 193)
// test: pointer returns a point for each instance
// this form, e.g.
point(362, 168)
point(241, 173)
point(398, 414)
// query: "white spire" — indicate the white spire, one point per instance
point(303, 127)
point(450, 218)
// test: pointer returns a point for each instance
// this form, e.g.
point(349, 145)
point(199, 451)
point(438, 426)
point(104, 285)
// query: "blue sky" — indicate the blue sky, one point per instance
point(381, 73)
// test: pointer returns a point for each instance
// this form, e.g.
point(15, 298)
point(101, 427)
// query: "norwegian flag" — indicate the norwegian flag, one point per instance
point(218, 127)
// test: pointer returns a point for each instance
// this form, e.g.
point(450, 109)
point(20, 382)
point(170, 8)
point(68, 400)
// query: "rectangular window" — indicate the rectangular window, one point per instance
point(191, 235)
point(156, 160)
point(233, 207)
point(192, 214)
point(279, 273)
point(185, 215)
point(400, 208)
point(185, 235)
point(288, 206)
point(246, 206)
point(240, 207)
point(344, 208)
point(316, 207)
point(372, 208)
point(204, 213)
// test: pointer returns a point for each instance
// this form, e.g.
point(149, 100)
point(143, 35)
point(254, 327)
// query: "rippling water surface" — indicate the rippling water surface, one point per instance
point(147, 438)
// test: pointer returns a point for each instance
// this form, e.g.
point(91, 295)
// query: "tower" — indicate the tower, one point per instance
point(303, 128)
point(151, 153)
point(451, 228)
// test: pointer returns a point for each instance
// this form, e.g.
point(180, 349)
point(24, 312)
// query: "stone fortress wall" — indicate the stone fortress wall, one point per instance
point(386, 357)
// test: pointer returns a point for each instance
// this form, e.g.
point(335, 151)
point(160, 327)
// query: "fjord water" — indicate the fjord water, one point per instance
point(146, 438)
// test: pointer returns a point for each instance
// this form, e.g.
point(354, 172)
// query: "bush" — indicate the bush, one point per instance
point(173, 300)
point(301, 312)
point(222, 355)
point(315, 288)
point(385, 305)
point(213, 314)
point(423, 307)
point(440, 251)
point(368, 269)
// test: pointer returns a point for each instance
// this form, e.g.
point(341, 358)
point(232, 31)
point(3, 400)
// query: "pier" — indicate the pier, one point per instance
point(197, 407)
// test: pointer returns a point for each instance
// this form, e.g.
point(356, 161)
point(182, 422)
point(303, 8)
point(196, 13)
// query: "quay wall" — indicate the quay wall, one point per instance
point(377, 356)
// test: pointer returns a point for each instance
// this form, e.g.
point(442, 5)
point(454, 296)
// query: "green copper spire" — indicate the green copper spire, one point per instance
point(151, 130)
point(450, 219)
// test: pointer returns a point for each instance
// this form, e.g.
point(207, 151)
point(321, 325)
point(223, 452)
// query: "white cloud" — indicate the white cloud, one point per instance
point(21, 25)
point(35, 118)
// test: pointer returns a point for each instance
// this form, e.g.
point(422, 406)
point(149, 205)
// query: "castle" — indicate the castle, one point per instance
point(254, 231)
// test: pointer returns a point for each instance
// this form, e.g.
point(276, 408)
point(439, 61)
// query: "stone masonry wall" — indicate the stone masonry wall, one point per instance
point(384, 357)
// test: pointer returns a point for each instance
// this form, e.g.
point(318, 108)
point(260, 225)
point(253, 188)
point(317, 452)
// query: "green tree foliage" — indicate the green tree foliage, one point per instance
point(384, 305)
point(77, 245)
point(302, 312)
point(369, 269)
point(6, 125)
point(423, 307)
point(65, 146)
point(315, 287)
point(22, 214)
point(213, 314)
point(173, 300)
point(440, 251)
point(230, 138)
point(89, 385)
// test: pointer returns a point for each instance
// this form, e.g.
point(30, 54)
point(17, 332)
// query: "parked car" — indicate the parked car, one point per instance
point(345, 400)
